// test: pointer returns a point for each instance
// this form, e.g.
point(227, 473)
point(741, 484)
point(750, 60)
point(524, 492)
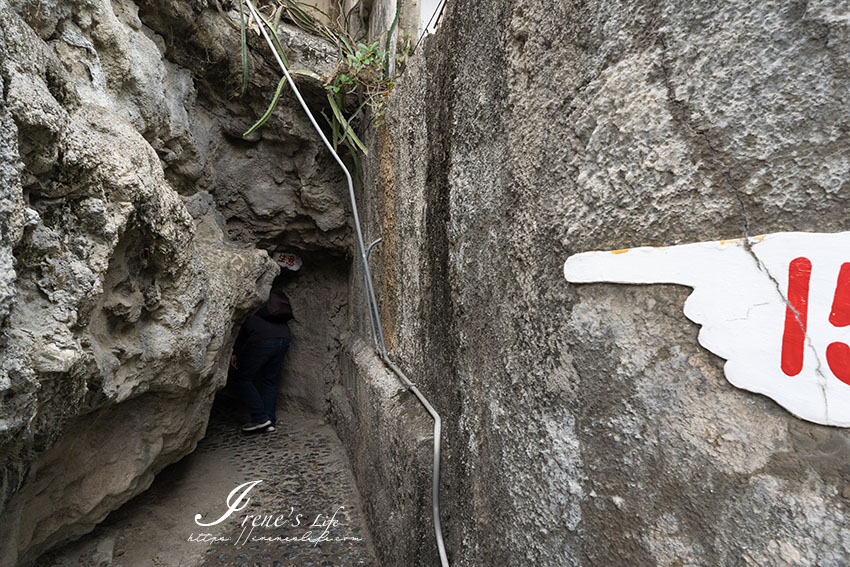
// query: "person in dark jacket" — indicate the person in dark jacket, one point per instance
point(257, 357)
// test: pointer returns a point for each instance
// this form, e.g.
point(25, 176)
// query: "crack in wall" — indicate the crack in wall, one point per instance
point(679, 112)
point(747, 246)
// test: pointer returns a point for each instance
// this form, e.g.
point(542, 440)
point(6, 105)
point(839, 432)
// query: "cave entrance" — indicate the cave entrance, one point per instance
point(318, 291)
point(306, 481)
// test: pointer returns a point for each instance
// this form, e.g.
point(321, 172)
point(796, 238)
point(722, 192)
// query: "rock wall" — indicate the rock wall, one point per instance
point(129, 211)
point(319, 295)
point(279, 187)
point(584, 425)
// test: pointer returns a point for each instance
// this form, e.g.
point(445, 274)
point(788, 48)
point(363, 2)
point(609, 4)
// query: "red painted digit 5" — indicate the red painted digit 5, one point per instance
point(796, 314)
point(838, 354)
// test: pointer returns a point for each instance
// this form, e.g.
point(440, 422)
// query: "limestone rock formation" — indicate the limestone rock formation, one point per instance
point(279, 187)
point(120, 284)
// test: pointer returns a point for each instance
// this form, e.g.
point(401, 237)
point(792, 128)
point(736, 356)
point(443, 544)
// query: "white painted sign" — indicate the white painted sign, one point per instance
point(776, 307)
point(287, 260)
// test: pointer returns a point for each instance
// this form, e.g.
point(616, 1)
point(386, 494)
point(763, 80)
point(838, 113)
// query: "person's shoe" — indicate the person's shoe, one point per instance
point(256, 427)
point(270, 428)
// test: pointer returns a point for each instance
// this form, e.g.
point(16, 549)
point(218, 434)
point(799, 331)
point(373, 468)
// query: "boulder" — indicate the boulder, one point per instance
point(117, 306)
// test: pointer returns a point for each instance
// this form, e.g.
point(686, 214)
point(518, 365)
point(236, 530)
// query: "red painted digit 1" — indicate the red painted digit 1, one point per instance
point(838, 354)
point(794, 337)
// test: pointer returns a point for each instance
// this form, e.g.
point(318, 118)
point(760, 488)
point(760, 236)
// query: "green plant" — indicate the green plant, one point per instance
point(360, 78)
point(359, 82)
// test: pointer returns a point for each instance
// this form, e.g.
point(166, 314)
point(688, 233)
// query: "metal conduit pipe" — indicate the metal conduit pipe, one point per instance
point(435, 486)
point(371, 317)
point(369, 250)
point(366, 275)
point(375, 319)
point(438, 426)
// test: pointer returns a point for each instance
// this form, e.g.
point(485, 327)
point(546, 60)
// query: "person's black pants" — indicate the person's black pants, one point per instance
point(260, 361)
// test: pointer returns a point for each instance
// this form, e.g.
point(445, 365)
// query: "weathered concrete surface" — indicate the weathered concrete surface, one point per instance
point(390, 441)
point(583, 424)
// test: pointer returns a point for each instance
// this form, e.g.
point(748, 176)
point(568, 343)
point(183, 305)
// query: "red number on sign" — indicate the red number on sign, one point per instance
point(838, 354)
point(794, 336)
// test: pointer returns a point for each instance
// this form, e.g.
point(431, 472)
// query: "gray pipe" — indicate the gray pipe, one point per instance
point(370, 291)
point(438, 426)
point(369, 250)
point(435, 485)
point(371, 317)
point(366, 275)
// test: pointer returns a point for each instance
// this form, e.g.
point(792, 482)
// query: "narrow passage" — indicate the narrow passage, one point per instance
point(307, 486)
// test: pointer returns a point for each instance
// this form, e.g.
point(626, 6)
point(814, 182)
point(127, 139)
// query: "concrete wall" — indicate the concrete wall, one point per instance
point(584, 425)
point(389, 439)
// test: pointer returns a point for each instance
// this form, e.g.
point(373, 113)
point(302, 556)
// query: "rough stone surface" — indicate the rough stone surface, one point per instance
point(119, 286)
point(319, 295)
point(280, 186)
point(583, 424)
point(305, 474)
point(390, 441)
point(172, 69)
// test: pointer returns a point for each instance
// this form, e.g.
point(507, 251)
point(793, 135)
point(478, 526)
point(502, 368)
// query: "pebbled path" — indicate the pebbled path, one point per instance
point(307, 486)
